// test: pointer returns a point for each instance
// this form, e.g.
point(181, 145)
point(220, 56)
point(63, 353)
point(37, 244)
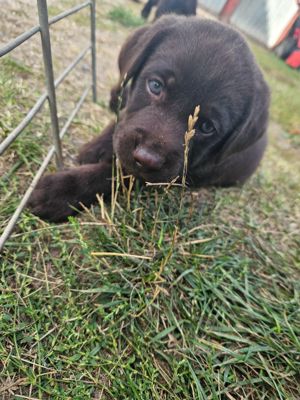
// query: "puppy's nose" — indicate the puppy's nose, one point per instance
point(147, 158)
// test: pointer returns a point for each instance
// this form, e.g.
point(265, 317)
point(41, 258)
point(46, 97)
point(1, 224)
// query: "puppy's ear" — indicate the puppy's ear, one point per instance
point(130, 48)
point(252, 125)
point(134, 54)
point(141, 44)
point(127, 53)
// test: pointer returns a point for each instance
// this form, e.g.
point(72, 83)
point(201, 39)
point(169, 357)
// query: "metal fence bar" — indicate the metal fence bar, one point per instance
point(35, 109)
point(93, 45)
point(22, 125)
point(27, 35)
point(12, 222)
point(74, 112)
point(50, 94)
point(69, 12)
point(46, 45)
point(19, 40)
point(71, 66)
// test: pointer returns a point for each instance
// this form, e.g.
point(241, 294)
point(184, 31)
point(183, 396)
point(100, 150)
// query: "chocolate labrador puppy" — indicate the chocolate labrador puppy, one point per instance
point(168, 68)
point(183, 7)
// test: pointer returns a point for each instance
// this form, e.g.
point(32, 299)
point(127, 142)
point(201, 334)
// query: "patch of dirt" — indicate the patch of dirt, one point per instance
point(68, 37)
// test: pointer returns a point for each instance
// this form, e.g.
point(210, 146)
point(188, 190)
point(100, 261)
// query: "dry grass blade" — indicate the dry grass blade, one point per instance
point(187, 254)
point(120, 96)
point(166, 185)
point(11, 385)
point(197, 241)
point(187, 138)
point(129, 190)
point(111, 254)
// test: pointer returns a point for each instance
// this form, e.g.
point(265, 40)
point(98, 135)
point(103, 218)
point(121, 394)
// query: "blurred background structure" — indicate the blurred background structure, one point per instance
point(273, 23)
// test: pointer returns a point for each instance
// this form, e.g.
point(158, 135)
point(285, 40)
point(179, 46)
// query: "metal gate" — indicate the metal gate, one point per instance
point(50, 94)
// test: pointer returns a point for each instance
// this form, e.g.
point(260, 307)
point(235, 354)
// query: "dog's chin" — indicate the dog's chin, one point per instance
point(160, 176)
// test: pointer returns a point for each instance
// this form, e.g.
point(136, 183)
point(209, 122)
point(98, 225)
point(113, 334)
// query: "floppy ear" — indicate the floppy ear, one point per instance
point(136, 50)
point(141, 44)
point(127, 53)
point(254, 125)
point(130, 48)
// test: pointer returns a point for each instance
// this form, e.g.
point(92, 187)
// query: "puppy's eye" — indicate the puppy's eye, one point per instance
point(207, 127)
point(155, 86)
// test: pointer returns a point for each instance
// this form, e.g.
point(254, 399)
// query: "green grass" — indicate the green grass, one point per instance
point(285, 84)
point(210, 312)
point(197, 320)
point(12, 78)
point(125, 17)
point(81, 18)
point(18, 164)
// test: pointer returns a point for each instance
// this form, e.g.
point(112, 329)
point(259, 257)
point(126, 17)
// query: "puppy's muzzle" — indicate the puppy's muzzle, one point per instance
point(150, 153)
point(147, 158)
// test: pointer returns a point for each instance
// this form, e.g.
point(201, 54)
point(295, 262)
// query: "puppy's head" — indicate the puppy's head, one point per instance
point(173, 66)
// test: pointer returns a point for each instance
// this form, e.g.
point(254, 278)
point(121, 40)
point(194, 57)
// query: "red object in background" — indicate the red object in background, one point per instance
point(229, 9)
point(293, 59)
point(288, 40)
point(296, 35)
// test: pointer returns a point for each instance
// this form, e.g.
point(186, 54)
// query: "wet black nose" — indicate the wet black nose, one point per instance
point(147, 158)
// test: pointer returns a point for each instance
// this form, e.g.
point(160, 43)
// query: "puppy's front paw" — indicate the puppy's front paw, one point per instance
point(53, 197)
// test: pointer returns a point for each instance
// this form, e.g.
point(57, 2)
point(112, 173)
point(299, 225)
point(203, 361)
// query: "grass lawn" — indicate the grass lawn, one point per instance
point(160, 294)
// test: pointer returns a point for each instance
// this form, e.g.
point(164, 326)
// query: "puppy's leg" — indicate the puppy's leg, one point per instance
point(99, 149)
point(56, 194)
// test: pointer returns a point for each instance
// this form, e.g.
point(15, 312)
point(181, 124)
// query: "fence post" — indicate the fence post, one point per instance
point(48, 66)
point(93, 48)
